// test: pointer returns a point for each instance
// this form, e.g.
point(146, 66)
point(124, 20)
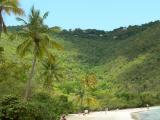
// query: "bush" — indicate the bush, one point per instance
point(13, 108)
point(54, 107)
point(40, 107)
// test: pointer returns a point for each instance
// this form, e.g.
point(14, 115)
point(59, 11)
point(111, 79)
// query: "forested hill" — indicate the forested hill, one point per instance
point(125, 63)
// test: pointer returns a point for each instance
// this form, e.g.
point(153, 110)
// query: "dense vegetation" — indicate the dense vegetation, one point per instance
point(95, 69)
point(125, 62)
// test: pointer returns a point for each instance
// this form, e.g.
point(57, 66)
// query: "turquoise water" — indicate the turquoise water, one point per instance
point(151, 115)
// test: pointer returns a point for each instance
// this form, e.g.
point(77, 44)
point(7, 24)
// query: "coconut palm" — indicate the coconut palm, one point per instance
point(84, 92)
point(36, 42)
point(90, 81)
point(80, 95)
point(51, 72)
point(8, 6)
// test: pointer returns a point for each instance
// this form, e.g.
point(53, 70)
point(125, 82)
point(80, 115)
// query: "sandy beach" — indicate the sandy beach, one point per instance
point(109, 115)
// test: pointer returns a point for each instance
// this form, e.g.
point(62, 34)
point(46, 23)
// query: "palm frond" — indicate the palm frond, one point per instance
point(32, 10)
point(24, 47)
point(50, 56)
point(9, 6)
point(34, 17)
point(12, 6)
point(41, 49)
point(25, 33)
point(15, 10)
point(56, 45)
point(38, 33)
point(52, 43)
point(45, 15)
point(21, 20)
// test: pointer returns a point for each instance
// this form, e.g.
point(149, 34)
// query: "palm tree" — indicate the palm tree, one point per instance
point(89, 83)
point(80, 95)
point(51, 72)
point(36, 41)
point(83, 93)
point(8, 6)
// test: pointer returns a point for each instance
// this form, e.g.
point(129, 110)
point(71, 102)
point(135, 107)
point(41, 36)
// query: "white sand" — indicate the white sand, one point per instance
point(110, 115)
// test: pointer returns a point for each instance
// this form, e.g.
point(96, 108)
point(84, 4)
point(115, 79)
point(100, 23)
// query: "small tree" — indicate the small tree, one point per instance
point(51, 72)
point(89, 82)
point(86, 86)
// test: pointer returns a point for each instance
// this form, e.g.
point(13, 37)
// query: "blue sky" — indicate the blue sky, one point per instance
point(96, 14)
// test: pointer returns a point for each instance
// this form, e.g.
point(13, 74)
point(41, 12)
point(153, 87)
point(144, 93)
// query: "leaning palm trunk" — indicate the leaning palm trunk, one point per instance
point(28, 87)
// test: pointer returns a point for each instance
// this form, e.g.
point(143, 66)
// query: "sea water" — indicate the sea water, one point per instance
point(153, 114)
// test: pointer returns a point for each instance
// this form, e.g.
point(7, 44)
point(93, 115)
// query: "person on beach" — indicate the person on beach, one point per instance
point(86, 112)
point(106, 110)
point(63, 117)
point(147, 106)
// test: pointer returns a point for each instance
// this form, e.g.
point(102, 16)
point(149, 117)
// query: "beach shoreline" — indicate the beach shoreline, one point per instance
point(136, 115)
point(126, 114)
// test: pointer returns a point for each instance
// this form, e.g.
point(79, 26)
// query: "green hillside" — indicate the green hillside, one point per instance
point(123, 62)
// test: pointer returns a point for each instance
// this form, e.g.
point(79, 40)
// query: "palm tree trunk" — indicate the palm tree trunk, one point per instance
point(3, 27)
point(28, 87)
point(81, 104)
point(1, 22)
point(1, 19)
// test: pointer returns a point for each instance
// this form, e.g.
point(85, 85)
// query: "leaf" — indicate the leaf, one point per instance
point(24, 47)
point(21, 20)
point(45, 15)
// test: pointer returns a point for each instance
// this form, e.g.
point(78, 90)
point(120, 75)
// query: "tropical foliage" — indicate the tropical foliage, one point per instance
point(8, 7)
point(51, 73)
point(97, 69)
point(37, 41)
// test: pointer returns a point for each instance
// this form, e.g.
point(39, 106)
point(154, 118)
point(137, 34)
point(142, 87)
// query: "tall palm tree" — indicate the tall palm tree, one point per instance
point(36, 41)
point(8, 6)
point(51, 72)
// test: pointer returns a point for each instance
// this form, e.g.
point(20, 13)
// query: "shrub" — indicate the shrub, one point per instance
point(40, 107)
point(13, 108)
point(53, 107)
